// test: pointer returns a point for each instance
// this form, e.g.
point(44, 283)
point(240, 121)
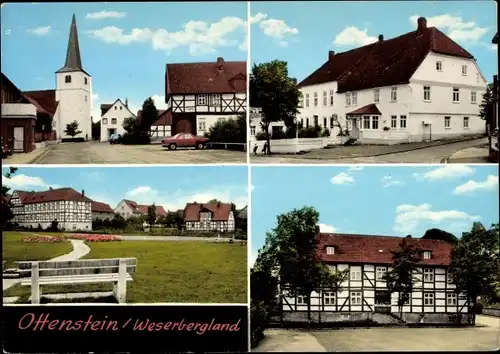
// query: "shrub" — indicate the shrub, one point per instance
point(229, 131)
point(260, 136)
point(258, 321)
point(279, 134)
point(325, 133)
point(136, 139)
point(309, 132)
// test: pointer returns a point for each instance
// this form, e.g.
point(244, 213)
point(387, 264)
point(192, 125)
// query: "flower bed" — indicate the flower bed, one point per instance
point(94, 237)
point(44, 239)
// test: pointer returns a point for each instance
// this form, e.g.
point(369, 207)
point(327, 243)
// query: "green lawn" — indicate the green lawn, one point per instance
point(14, 249)
point(170, 271)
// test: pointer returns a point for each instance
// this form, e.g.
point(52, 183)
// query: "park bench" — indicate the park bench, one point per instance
point(86, 271)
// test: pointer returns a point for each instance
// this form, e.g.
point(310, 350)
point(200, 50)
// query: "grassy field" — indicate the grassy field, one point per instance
point(198, 272)
point(14, 249)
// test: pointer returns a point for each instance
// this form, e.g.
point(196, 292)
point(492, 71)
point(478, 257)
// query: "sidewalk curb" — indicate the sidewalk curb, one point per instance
point(41, 156)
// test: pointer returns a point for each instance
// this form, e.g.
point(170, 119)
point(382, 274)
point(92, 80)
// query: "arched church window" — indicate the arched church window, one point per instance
point(85, 80)
point(67, 79)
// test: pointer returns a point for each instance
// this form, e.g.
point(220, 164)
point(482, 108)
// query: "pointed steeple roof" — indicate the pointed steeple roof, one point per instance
point(73, 59)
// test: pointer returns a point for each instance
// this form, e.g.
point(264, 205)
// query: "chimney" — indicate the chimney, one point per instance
point(331, 53)
point(408, 236)
point(83, 193)
point(380, 37)
point(220, 64)
point(421, 24)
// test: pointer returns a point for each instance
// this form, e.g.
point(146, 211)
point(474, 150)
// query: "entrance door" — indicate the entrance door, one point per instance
point(18, 138)
point(111, 132)
point(355, 128)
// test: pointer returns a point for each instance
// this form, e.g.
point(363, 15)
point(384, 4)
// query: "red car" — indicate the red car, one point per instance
point(184, 140)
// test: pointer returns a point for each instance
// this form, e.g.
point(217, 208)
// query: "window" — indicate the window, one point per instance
point(301, 101)
point(376, 95)
point(402, 122)
point(121, 108)
point(366, 122)
point(113, 120)
point(477, 78)
point(394, 122)
point(427, 255)
point(355, 274)
point(354, 98)
point(451, 299)
point(374, 122)
point(473, 97)
point(201, 124)
point(332, 120)
point(201, 100)
point(316, 123)
point(116, 108)
point(356, 298)
point(105, 121)
point(307, 100)
point(464, 70)
point(348, 99)
point(380, 272)
point(324, 122)
point(466, 122)
point(329, 298)
point(85, 80)
point(449, 278)
point(439, 66)
point(427, 93)
point(216, 99)
point(315, 99)
point(447, 122)
point(330, 250)
point(428, 274)
point(428, 299)
point(394, 94)
point(307, 122)
point(85, 98)
point(331, 97)
point(67, 79)
point(456, 95)
point(301, 300)
point(252, 130)
point(325, 98)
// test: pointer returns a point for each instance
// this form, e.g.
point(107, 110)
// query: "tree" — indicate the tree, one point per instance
point(149, 115)
point(400, 278)
point(486, 106)
point(72, 129)
point(7, 214)
point(96, 130)
point(229, 130)
point(291, 251)
point(131, 125)
point(438, 234)
point(474, 265)
point(151, 216)
point(275, 93)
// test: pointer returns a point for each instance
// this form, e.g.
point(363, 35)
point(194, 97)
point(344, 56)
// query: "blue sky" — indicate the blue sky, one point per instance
point(302, 33)
point(171, 187)
point(124, 46)
point(376, 200)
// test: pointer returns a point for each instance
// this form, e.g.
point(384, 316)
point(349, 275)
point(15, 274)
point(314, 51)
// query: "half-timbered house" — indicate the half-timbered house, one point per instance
point(200, 94)
point(364, 294)
point(102, 211)
point(209, 217)
point(71, 209)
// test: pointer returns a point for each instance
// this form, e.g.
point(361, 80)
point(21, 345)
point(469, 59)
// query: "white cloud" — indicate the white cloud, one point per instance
point(198, 36)
point(274, 28)
point(491, 182)
point(327, 228)
point(105, 14)
point(356, 168)
point(389, 181)
point(40, 31)
point(409, 218)
point(24, 182)
point(342, 178)
point(352, 36)
point(449, 171)
point(456, 28)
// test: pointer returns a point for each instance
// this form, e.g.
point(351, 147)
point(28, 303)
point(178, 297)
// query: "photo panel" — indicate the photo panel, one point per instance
point(373, 82)
point(396, 250)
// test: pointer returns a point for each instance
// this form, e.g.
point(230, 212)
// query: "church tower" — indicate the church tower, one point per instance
point(73, 91)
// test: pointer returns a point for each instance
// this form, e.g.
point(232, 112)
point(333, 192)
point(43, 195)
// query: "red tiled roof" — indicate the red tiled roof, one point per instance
point(46, 100)
point(98, 207)
point(52, 195)
point(368, 109)
point(143, 209)
point(352, 248)
point(220, 212)
point(164, 117)
point(386, 62)
point(206, 77)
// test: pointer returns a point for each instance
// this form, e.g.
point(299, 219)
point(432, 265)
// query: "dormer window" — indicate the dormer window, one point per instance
point(67, 79)
point(427, 254)
point(330, 250)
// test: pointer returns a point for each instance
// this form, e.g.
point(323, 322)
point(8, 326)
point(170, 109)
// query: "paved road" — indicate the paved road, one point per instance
point(484, 337)
point(105, 153)
point(434, 154)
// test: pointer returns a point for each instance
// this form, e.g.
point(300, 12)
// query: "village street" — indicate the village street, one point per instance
point(415, 153)
point(105, 153)
point(485, 336)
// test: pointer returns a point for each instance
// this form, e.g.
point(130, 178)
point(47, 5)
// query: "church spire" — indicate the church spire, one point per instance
point(73, 59)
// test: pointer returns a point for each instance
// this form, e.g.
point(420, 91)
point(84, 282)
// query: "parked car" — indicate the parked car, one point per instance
point(184, 140)
point(115, 139)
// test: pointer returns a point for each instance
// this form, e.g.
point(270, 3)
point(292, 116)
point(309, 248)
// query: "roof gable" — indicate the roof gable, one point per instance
point(105, 108)
point(98, 207)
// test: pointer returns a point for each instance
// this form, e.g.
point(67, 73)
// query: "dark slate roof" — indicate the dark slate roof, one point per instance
point(385, 62)
point(495, 39)
point(368, 109)
point(73, 58)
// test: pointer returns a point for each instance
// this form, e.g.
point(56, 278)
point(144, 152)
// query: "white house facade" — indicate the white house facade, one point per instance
point(390, 91)
point(112, 117)
point(71, 209)
point(256, 126)
point(364, 293)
